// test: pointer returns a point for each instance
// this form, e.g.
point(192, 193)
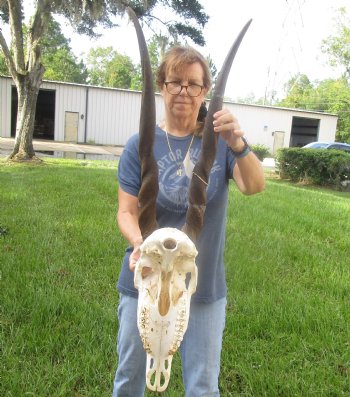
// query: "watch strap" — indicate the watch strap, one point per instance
point(244, 152)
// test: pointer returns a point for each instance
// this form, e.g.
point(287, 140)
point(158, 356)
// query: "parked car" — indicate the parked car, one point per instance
point(328, 145)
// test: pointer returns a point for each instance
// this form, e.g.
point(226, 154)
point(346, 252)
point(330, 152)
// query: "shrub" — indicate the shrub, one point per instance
point(261, 151)
point(317, 166)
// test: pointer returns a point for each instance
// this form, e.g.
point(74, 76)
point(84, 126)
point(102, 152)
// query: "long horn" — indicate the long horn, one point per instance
point(200, 177)
point(149, 170)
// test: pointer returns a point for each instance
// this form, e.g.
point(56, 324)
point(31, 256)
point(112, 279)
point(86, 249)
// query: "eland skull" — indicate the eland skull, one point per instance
point(164, 299)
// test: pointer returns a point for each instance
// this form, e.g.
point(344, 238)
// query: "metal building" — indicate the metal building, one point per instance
point(107, 116)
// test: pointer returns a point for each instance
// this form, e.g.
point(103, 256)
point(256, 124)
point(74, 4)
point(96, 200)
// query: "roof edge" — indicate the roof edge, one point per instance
point(208, 99)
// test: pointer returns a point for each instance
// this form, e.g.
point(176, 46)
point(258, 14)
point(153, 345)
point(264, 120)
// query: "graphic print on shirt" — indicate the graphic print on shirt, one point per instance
point(173, 188)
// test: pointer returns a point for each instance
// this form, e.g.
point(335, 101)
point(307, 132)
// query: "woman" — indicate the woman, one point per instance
point(184, 80)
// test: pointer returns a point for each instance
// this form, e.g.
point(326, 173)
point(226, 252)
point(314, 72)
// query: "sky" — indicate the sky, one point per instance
point(284, 39)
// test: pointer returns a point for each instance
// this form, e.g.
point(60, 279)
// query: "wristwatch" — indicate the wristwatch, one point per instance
point(246, 149)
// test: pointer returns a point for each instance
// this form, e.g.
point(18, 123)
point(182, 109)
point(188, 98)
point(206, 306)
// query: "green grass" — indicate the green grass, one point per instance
point(288, 271)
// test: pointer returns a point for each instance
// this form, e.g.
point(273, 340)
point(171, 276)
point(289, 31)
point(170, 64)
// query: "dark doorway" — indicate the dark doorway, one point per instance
point(304, 131)
point(44, 115)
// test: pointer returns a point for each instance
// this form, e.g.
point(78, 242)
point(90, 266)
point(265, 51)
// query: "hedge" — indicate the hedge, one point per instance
point(261, 151)
point(316, 166)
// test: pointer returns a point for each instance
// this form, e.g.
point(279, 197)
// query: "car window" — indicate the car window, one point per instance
point(316, 145)
point(339, 147)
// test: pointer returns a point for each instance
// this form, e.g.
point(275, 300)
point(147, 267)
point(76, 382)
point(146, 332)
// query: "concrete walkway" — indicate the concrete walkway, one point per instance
point(76, 150)
point(6, 145)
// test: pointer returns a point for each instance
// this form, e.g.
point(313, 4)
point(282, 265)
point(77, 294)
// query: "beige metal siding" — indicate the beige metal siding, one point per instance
point(113, 115)
point(260, 123)
point(69, 98)
point(328, 126)
point(5, 107)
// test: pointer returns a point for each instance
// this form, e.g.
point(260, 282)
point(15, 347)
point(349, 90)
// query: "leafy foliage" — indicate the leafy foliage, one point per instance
point(58, 59)
point(4, 11)
point(64, 66)
point(120, 71)
point(190, 9)
point(108, 68)
point(3, 68)
point(261, 151)
point(299, 89)
point(332, 96)
point(318, 166)
point(338, 47)
point(85, 16)
point(181, 29)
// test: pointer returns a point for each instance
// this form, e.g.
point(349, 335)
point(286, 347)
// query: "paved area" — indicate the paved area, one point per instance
point(6, 145)
point(75, 150)
point(268, 163)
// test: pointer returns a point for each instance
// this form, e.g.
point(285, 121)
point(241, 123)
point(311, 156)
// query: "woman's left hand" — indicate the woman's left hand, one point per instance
point(226, 124)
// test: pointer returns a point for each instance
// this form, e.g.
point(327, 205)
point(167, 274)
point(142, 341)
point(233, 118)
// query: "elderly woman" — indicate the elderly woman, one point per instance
point(184, 81)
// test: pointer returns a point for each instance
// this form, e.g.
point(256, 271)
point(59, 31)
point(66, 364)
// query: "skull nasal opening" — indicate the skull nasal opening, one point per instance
point(169, 244)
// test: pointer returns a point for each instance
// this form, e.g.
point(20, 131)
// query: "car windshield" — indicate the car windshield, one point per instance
point(316, 145)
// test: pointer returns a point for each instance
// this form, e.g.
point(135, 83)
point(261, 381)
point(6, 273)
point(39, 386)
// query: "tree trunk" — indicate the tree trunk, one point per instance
point(27, 90)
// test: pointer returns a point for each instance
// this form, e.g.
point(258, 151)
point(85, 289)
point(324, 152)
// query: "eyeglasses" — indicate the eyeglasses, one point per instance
point(174, 88)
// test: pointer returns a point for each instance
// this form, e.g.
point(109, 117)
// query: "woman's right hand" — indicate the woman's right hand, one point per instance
point(135, 255)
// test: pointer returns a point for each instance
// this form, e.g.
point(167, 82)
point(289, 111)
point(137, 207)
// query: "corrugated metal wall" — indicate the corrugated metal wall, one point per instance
point(260, 122)
point(110, 116)
point(69, 98)
point(113, 115)
point(5, 107)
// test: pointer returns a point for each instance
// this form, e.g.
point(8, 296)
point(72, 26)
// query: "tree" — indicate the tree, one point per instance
point(58, 59)
point(213, 72)
point(25, 64)
point(120, 71)
point(3, 68)
point(108, 68)
point(334, 97)
point(338, 47)
point(64, 66)
point(298, 90)
point(213, 68)
point(331, 96)
point(97, 61)
point(251, 99)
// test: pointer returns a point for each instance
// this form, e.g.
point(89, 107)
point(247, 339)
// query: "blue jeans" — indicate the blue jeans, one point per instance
point(200, 350)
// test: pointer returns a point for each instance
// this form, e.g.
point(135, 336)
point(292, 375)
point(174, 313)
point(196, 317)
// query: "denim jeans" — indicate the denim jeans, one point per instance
point(200, 350)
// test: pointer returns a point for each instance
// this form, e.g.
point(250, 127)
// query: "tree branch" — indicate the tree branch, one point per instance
point(40, 20)
point(8, 57)
point(16, 17)
point(36, 32)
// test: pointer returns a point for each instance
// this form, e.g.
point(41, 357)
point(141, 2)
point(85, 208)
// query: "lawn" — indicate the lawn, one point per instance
point(288, 271)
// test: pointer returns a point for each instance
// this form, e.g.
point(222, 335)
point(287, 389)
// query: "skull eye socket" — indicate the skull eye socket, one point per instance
point(169, 244)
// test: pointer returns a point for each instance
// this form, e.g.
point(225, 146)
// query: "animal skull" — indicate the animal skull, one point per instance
point(164, 299)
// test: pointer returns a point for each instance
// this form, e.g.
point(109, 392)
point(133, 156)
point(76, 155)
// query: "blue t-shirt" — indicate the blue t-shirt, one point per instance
point(172, 204)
